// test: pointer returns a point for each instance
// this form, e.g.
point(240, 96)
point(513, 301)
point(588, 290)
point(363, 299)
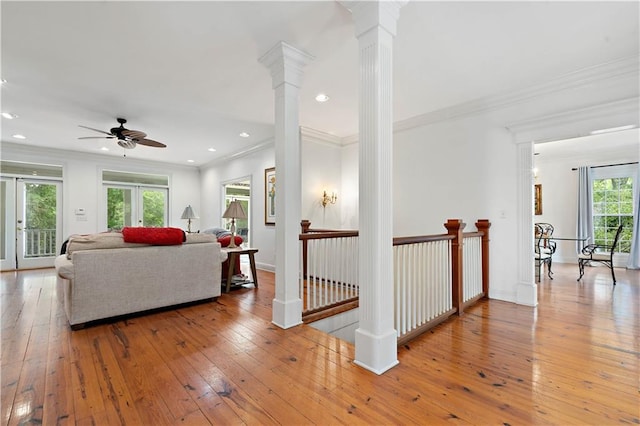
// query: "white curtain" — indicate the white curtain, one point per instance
point(585, 212)
point(634, 254)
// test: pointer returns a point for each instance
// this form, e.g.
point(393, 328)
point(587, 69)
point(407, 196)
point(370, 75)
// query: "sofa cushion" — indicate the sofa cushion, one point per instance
point(154, 236)
point(218, 232)
point(105, 240)
point(200, 238)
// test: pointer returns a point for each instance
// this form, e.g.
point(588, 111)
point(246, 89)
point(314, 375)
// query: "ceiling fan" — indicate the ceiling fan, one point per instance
point(126, 138)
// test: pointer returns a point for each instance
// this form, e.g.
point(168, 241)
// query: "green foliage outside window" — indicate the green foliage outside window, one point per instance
point(40, 208)
point(612, 207)
point(40, 219)
point(118, 207)
point(153, 208)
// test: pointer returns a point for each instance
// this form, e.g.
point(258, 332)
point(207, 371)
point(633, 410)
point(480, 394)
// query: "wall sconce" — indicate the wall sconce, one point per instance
point(188, 214)
point(328, 199)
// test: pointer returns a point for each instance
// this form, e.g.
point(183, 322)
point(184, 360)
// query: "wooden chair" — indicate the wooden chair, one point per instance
point(590, 253)
point(541, 254)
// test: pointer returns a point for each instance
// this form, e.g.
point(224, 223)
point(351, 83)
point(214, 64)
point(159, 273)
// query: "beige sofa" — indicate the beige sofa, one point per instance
point(101, 276)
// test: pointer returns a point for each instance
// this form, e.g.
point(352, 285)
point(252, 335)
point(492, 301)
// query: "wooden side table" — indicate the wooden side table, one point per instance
point(232, 253)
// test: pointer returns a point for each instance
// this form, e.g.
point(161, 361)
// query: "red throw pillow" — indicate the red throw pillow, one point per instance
point(154, 236)
point(225, 240)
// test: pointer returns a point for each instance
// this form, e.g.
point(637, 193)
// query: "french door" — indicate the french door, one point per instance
point(8, 226)
point(239, 190)
point(31, 222)
point(128, 205)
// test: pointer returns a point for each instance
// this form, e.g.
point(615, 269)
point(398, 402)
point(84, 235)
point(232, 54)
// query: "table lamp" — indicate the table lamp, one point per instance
point(234, 211)
point(188, 214)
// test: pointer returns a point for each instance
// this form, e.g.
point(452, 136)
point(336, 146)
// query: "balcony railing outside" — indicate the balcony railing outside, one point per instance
point(39, 243)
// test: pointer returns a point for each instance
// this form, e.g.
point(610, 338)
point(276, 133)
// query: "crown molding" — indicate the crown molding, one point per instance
point(63, 156)
point(351, 139)
point(318, 136)
point(620, 107)
point(264, 144)
point(577, 122)
point(607, 71)
point(619, 68)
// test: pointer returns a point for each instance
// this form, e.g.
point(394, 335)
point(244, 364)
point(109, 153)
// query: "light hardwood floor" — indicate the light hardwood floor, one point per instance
point(572, 360)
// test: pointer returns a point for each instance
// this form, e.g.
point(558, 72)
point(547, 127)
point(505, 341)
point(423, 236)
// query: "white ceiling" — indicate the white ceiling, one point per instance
point(187, 73)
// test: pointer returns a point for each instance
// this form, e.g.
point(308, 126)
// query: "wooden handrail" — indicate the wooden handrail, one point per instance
point(332, 234)
point(472, 234)
point(455, 234)
point(398, 241)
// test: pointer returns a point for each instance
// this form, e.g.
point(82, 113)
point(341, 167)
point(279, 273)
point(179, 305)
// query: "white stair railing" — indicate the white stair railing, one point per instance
point(330, 275)
point(472, 267)
point(422, 280)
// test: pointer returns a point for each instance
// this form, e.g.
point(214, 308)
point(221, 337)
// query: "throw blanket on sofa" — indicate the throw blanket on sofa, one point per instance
point(154, 236)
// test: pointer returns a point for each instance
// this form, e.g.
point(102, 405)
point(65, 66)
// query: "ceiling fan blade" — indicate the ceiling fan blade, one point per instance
point(133, 134)
point(149, 142)
point(95, 130)
point(97, 137)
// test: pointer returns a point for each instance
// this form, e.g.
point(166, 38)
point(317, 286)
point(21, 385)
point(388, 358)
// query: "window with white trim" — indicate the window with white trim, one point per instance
point(612, 189)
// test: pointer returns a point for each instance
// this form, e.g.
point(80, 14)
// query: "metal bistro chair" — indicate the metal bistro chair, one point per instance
point(541, 254)
point(590, 253)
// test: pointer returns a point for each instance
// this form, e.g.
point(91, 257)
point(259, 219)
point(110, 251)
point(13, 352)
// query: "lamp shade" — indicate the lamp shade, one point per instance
point(234, 211)
point(188, 213)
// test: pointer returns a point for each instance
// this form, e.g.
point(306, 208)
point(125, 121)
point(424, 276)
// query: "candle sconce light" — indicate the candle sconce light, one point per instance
point(328, 199)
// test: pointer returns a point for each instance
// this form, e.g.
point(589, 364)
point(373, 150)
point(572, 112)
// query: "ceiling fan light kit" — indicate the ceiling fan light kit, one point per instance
point(127, 139)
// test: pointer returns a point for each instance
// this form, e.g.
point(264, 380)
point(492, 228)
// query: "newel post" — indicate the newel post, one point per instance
point(483, 226)
point(305, 225)
point(455, 227)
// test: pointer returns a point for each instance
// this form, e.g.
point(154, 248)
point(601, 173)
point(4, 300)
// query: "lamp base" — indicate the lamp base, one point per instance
point(232, 243)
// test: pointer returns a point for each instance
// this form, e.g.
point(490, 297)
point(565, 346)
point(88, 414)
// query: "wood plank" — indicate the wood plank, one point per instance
point(58, 404)
point(571, 360)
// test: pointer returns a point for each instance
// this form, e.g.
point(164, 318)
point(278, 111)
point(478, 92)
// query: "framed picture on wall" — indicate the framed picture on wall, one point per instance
point(537, 194)
point(270, 196)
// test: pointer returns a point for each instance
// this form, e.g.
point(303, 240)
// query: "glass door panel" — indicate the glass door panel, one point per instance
point(39, 222)
point(136, 206)
point(8, 223)
point(120, 207)
point(154, 207)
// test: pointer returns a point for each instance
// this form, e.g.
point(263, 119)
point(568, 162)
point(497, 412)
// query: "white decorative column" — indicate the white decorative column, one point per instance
point(527, 290)
point(285, 63)
point(376, 338)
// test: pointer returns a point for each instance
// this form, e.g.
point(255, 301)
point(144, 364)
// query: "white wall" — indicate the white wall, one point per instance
point(321, 170)
point(456, 169)
point(82, 185)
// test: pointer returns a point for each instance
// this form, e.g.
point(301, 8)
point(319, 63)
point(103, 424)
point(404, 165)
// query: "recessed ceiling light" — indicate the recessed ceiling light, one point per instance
point(9, 116)
point(211, 150)
point(19, 136)
point(104, 148)
point(612, 129)
point(190, 161)
point(322, 97)
point(3, 80)
point(244, 135)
